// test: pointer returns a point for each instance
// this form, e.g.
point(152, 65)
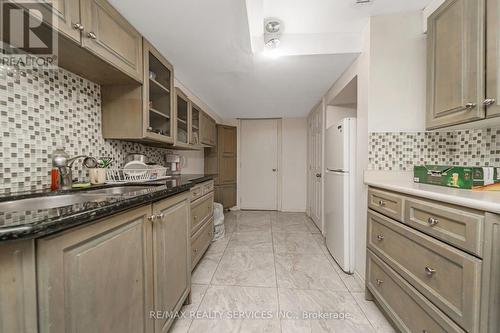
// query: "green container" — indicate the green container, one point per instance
point(456, 176)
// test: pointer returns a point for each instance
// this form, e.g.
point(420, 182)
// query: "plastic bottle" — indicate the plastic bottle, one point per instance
point(59, 158)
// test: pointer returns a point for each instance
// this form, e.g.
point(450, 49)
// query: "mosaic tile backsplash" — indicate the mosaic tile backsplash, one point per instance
point(42, 109)
point(401, 151)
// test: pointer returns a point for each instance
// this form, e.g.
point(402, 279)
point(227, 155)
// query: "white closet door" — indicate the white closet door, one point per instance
point(315, 166)
point(259, 164)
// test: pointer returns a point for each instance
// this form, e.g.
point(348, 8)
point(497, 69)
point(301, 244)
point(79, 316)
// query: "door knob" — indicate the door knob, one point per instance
point(92, 35)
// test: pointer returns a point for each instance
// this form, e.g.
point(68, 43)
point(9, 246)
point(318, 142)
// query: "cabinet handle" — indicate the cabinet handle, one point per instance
point(151, 218)
point(195, 250)
point(489, 101)
point(92, 35)
point(429, 271)
point(318, 175)
point(381, 203)
point(380, 237)
point(379, 282)
point(470, 105)
point(196, 218)
point(78, 26)
point(432, 221)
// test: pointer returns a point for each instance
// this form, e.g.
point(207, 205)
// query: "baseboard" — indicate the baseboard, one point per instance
point(293, 210)
point(360, 279)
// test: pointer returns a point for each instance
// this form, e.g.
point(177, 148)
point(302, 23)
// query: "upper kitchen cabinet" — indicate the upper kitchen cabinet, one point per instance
point(455, 78)
point(95, 41)
point(111, 37)
point(208, 130)
point(157, 92)
point(194, 138)
point(142, 113)
point(492, 101)
point(67, 15)
point(183, 123)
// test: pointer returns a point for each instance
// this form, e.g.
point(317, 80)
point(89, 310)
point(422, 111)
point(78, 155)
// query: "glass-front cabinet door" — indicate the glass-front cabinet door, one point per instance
point(182, 104)
point(195, 125)
point(158, 96)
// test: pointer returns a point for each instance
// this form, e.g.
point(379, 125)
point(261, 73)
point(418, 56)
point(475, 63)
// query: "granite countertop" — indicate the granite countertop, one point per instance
point(403, 182)
point(34, 223)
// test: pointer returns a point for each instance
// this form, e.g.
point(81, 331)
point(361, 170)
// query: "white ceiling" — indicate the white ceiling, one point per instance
point(217, 50)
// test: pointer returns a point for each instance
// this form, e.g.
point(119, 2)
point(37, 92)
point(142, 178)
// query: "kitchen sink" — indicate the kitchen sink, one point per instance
point(63, 200)
point(49, 202)
point(118, 190)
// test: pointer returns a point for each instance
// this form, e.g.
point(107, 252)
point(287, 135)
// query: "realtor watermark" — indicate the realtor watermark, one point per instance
point(29, 37)
point(252, 315)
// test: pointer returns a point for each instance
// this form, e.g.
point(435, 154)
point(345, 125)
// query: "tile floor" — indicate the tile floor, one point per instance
point(276, 268)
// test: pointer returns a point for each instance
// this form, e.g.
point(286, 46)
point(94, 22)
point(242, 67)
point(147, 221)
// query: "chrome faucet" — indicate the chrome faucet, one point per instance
point(65, 166)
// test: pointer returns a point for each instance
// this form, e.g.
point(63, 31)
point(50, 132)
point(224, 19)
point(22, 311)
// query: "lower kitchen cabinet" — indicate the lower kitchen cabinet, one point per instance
point(202, 220)
point(107, 276)
point(431, 267)
point(18, 311)
point(97, 278)
point(226, 195)
point(171, 256)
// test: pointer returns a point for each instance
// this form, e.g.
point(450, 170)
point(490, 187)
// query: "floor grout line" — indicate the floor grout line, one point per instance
point(273, 221)
point(276, 278)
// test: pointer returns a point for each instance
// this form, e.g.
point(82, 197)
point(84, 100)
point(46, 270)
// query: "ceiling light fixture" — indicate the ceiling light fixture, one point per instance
point(273, 28)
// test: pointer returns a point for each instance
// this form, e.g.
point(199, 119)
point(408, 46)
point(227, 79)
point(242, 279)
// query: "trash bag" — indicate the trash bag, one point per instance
point(219, 231)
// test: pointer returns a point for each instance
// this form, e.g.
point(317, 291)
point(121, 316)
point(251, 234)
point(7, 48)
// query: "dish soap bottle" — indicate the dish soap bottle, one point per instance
point(59, 159)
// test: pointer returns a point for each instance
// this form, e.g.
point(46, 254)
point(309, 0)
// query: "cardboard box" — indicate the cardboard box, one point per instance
point(456, 176)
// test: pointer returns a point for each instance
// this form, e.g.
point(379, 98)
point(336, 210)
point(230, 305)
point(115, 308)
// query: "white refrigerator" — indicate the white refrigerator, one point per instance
point(340, 164)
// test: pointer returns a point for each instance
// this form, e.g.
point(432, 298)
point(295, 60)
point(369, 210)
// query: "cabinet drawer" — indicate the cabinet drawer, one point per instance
point(454, 225)
point(208, 187)
point(387, 203)
point(448, 277)
point(201, 210)
point(200, 242)
point(408, 309)
point(196, 192)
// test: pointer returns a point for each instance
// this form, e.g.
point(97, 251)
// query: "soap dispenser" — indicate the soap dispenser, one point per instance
point(59, 158)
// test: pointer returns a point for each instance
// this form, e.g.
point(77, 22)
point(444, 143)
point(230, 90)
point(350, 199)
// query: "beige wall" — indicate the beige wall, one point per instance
point(360, 69)
point(397, 73)
point(294, 164)
point(390, 75)
point(336, 113)
point(195, 161)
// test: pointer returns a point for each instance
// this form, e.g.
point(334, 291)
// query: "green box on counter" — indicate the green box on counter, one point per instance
point(456, 176)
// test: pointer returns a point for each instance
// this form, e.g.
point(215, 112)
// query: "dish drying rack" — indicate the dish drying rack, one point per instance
point(117, 176)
